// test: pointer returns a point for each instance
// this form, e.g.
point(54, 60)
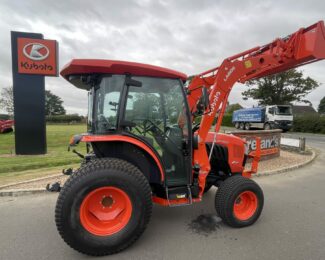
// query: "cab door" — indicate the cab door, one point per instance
point(158, 114)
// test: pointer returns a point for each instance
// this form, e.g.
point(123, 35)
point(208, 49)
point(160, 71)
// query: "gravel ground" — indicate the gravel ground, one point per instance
point(286, 159)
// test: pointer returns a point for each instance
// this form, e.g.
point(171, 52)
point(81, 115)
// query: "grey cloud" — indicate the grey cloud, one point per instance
point(186, 35)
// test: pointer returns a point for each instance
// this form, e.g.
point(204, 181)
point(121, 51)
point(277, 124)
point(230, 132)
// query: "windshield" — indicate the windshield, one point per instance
point(283, 110)
point(107, 98)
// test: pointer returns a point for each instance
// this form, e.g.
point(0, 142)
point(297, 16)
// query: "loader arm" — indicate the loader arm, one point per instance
point(304, 46)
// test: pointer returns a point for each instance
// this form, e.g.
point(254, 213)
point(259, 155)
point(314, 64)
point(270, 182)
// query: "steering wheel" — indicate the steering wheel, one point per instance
point(153, 127)
point(144, 127)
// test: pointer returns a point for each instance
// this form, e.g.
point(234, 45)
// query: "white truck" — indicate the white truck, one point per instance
point(268, 117)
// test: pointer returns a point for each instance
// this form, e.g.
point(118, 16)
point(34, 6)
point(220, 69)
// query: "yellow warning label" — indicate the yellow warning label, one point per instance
point(248, 64)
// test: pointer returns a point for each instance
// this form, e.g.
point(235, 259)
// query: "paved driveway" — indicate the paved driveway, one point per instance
point(292, 225)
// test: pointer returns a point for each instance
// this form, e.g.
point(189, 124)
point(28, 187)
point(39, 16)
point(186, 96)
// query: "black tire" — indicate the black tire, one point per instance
point(267, 126)
point(242, 126)
point(96, 174)
point(237, 125)
point(227, 195)
point(247, 126)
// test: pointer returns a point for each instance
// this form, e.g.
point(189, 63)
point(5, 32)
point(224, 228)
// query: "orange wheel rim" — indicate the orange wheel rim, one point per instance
point(245, 205)
point(105, 211)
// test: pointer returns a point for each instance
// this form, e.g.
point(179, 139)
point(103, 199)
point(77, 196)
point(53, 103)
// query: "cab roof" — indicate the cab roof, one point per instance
point(90, 66)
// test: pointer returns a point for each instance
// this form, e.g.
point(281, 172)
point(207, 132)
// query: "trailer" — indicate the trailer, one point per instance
point(268, 117)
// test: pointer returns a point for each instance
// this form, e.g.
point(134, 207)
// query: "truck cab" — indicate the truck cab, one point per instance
point(278, 117)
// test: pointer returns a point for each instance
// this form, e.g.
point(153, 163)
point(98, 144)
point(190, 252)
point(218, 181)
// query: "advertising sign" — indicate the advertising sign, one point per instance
point(37, 56)
point(33, 58)
point(270, 142)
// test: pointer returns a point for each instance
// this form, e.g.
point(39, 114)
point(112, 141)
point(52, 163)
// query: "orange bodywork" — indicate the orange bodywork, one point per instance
point(127, 139)
point(175, 202)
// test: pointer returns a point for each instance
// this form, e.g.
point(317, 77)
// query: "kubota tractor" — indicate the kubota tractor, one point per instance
point(145, 148)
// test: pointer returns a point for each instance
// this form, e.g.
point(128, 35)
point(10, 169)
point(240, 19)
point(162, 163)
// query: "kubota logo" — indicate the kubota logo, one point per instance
point(214, 102)
point(36, 51)
point(229, 73)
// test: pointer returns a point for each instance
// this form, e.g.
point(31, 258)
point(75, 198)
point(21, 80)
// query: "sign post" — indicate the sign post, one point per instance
point(32, 59)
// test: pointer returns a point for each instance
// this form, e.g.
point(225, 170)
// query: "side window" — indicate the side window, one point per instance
point(141, 106)
point(90, 109)
point(107, 103)
point(111, 102)
point(271, 110)
point(156, 113)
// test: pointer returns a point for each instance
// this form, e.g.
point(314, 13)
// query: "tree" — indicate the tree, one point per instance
point(7, 100)
point(232, 107)
point(321, 106)
point(53, 104)
point(281, 88)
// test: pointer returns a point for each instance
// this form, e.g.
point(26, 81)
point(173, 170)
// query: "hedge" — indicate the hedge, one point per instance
point(4, 117)
point(65, 119)
point(309, 124)
point(226, 121)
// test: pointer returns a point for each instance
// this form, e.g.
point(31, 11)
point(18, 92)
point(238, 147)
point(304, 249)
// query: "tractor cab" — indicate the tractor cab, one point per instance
point(144, 102)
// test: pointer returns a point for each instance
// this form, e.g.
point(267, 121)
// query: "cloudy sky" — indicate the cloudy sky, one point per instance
point(186, 35)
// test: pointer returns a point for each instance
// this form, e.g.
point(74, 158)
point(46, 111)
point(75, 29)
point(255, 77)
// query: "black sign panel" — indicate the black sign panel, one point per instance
point(29, 104)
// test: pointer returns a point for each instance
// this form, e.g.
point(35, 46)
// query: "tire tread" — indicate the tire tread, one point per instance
point(83, 172)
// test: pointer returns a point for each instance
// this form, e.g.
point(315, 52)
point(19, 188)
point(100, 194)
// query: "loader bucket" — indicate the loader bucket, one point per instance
point(305, 46)
point(312, 43)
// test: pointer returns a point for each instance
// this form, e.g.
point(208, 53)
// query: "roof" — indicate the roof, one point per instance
point(88, 66)
point(303, 110)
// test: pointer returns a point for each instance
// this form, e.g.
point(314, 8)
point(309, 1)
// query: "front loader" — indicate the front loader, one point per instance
point(145, 147)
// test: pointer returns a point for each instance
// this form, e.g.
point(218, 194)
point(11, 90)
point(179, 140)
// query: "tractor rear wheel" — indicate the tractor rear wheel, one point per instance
point(239, 201)
point(104, 207)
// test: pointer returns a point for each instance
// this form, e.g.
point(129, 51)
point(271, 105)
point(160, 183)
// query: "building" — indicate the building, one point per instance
point(303, 110)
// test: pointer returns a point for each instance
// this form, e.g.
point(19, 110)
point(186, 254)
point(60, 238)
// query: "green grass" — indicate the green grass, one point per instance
point(57, 155)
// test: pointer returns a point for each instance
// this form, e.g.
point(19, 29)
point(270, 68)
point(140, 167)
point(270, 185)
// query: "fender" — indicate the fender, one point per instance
point(120, 138)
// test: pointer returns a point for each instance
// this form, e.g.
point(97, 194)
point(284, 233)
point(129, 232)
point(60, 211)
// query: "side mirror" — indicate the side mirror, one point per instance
point(205, 98)
point(133, 82)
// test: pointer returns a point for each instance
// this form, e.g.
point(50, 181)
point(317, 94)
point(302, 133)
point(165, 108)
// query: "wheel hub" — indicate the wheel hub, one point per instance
point(107, 201)
point(105, 211)
point(245, 205)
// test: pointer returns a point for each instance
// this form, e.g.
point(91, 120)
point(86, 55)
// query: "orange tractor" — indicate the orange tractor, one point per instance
point(144, 146)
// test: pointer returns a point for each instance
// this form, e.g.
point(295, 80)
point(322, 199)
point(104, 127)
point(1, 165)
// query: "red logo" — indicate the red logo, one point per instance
point(36, 56)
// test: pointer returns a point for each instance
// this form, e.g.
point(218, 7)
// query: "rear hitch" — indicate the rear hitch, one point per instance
point(54, 187)
point(68, 171)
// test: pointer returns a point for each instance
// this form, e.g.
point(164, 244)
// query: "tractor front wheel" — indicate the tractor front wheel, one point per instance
point(239, 201)
point(104, 207)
